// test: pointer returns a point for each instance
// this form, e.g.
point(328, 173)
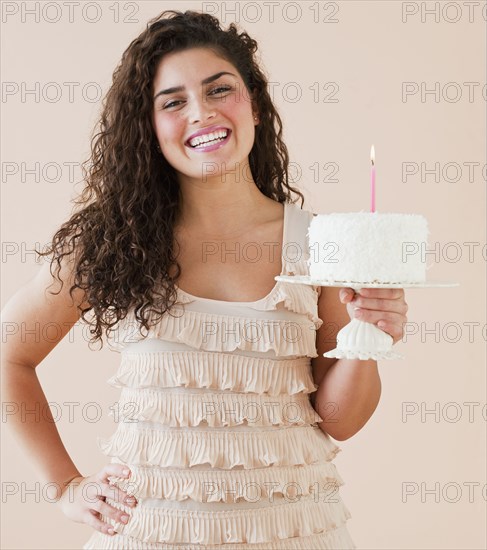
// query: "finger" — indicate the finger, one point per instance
point(115, 493)
point(92, 519)
point(119, 516)
point(96, 485)
point(118, 470)
point(381, 304)
point(388, 293)
point(394, 330)
point(346, 295)
point(371, 316)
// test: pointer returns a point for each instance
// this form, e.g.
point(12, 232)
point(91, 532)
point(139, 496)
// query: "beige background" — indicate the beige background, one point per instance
point(369, 52)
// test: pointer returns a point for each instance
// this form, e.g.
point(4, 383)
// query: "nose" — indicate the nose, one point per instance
point(199, 110)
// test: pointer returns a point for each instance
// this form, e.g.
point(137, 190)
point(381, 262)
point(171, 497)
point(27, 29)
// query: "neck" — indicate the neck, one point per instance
point(218, 209)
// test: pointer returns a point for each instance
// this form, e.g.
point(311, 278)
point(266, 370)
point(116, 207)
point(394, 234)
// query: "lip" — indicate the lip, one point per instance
point(213, 147)
point(206, 130)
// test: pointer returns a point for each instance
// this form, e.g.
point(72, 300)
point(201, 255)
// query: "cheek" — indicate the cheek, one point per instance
point(167, 129)
point(236, 106)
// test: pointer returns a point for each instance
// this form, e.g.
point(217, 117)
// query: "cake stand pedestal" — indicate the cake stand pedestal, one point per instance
point(360, 339)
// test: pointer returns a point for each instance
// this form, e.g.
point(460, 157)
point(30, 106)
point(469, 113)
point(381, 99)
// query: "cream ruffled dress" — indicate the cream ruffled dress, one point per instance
point(215, 423)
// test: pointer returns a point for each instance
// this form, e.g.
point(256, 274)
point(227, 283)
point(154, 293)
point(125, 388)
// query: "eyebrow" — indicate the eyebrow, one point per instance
point(207, 80)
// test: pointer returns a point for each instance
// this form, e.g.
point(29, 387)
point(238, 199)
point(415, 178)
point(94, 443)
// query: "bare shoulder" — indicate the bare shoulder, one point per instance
point(269, 222)
point(273, 212)
point(41, 307)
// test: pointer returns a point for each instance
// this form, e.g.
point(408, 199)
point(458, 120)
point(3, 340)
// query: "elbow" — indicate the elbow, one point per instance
point(341, 431)
point(341, 435)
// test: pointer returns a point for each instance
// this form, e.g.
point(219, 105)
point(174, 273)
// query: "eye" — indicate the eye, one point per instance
point(214, 91)
point(170, 104)
point(221, 89)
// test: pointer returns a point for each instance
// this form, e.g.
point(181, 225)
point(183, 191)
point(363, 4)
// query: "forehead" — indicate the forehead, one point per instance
point(189, 67)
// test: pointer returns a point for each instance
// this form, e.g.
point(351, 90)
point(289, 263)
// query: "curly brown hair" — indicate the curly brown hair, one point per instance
point(122, 238)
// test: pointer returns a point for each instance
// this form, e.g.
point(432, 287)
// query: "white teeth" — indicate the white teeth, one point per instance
point(208, 137)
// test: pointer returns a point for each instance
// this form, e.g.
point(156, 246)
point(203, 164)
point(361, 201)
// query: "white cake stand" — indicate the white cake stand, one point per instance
point(360, 339)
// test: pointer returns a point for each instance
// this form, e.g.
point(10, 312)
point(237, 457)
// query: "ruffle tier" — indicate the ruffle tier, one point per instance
point(296, 298)
point(224, 371)
point(301, 299)
point(223, 333)
point(188, 409)
point(229, 485)
point(299, 518)
point(328, 540)
point(221, 448)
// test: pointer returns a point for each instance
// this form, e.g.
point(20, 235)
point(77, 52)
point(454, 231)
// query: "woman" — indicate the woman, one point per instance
point(184, 223)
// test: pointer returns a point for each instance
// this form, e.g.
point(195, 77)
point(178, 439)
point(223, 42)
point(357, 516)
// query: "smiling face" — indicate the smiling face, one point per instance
point(204, 98)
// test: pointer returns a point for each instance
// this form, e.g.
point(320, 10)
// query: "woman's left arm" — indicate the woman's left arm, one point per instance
point(349, 389)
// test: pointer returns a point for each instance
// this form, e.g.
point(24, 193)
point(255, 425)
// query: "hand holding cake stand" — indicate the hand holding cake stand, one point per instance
point(363, 340)
point(366, 250)
point(360, 339)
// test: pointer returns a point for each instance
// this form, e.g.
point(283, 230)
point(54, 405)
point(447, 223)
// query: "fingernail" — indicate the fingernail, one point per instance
point(130, 501)
point(124, 518)
point(126, 472)
point(111, 531)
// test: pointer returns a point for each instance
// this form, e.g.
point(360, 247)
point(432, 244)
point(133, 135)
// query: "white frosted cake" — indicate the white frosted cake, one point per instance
point(367, 247)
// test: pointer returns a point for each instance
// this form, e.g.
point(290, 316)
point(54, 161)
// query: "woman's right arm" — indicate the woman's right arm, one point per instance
point(25, 318)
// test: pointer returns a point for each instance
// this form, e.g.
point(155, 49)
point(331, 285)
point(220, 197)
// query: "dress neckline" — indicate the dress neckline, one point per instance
point(283, 272)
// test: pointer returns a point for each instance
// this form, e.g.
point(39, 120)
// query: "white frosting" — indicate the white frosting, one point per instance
point(366, 247)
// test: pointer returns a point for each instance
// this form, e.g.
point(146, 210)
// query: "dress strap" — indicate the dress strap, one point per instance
point(295, 251)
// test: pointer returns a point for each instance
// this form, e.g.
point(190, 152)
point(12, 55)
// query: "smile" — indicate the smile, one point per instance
point(211, 141)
